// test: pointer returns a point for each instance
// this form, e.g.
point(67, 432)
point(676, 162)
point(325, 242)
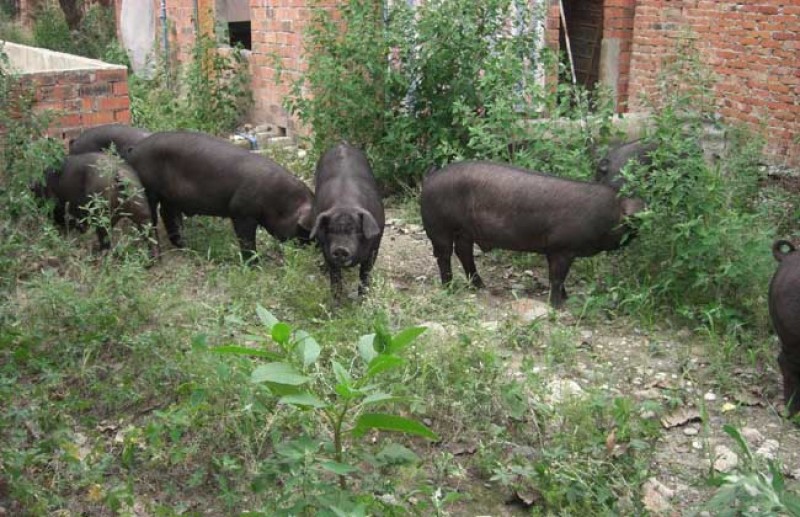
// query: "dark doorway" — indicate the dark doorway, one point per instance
point(585, 28)
point(239, 32)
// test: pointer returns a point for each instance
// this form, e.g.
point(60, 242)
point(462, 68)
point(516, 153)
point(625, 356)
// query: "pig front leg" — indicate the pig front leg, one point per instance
point(558, 268)
point(364, 273)
point(443, 250)
point(245, 229)
point(173, 222)
point(337, 289)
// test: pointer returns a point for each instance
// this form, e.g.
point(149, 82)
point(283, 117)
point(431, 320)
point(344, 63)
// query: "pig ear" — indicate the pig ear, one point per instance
point(602, 168)
point(369, 225)
point(778, 249)
point(321, 222)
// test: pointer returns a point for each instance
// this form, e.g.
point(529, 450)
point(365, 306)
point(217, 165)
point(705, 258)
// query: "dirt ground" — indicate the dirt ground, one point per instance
point(618, 357)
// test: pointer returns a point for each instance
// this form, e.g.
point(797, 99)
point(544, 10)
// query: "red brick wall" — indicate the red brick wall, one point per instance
point(753, 47)
point(80, 99)
point(277, 28)
point(618, 18)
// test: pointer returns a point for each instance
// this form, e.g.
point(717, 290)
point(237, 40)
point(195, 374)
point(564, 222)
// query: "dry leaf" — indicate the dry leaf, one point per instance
point(681, 416)
point(611, 441)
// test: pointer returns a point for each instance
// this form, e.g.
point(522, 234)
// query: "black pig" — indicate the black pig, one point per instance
point(100, 138)
point(88, 175)
point(784, 311)
point(608, 169)
point(197, 174)
point(501, 206)
point(349, 214)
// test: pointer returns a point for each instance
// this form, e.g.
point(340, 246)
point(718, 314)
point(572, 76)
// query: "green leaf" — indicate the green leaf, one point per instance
point(303, 399)
point(241, 350)
point(382, 363)
point(734, 433)
point(307, 348)
point(366, 348)
point(396, 454)
point(281, 332)
point(278, 373)
point(266, 317)
point(341, 374)
point(404, 338)
point(392, 423)
point(340, 469)
point(383, 340)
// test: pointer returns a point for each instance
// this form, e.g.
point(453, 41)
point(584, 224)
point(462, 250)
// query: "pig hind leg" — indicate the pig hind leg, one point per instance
point(791, 383)
point(558, 268)
point(245, 229)
point(464, 252)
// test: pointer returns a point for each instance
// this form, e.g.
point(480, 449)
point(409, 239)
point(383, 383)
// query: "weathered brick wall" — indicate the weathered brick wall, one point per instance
point(618, 22)
point(81, 99)
point(277, 31)
point(752, 46)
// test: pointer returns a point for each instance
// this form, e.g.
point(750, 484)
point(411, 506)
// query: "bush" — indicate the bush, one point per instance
point(96, 33)
point(702, 249)
point(449, 79)
point(213, 92)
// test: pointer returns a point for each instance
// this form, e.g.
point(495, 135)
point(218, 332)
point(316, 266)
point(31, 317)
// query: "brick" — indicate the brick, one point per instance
point(97, 118)
point(111, 75)
point(112, 103)
point(122, 116)
point(120, 88)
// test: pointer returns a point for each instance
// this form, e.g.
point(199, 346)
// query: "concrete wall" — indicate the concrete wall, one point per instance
point(81, 92)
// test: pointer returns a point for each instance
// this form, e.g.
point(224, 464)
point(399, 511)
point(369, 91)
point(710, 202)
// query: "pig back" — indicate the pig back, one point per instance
point(344, 177)
point(101, 137)
point(201, 174)
point(501, 206)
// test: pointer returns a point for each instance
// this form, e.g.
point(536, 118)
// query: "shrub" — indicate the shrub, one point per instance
point(213, 92)
point(702, 249)
point(449, 79)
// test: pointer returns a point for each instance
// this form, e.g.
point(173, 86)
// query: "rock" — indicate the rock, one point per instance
point(709, 397)
point(490, 325)
point(753, 436)
point(435, 331)
point(691, 431)
point(586, 337)
point(681, 416)
point(529, 310)
point(563, 389)
point(655, 496)
point(725, 459)
point(768, 449)
point(240, 141)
